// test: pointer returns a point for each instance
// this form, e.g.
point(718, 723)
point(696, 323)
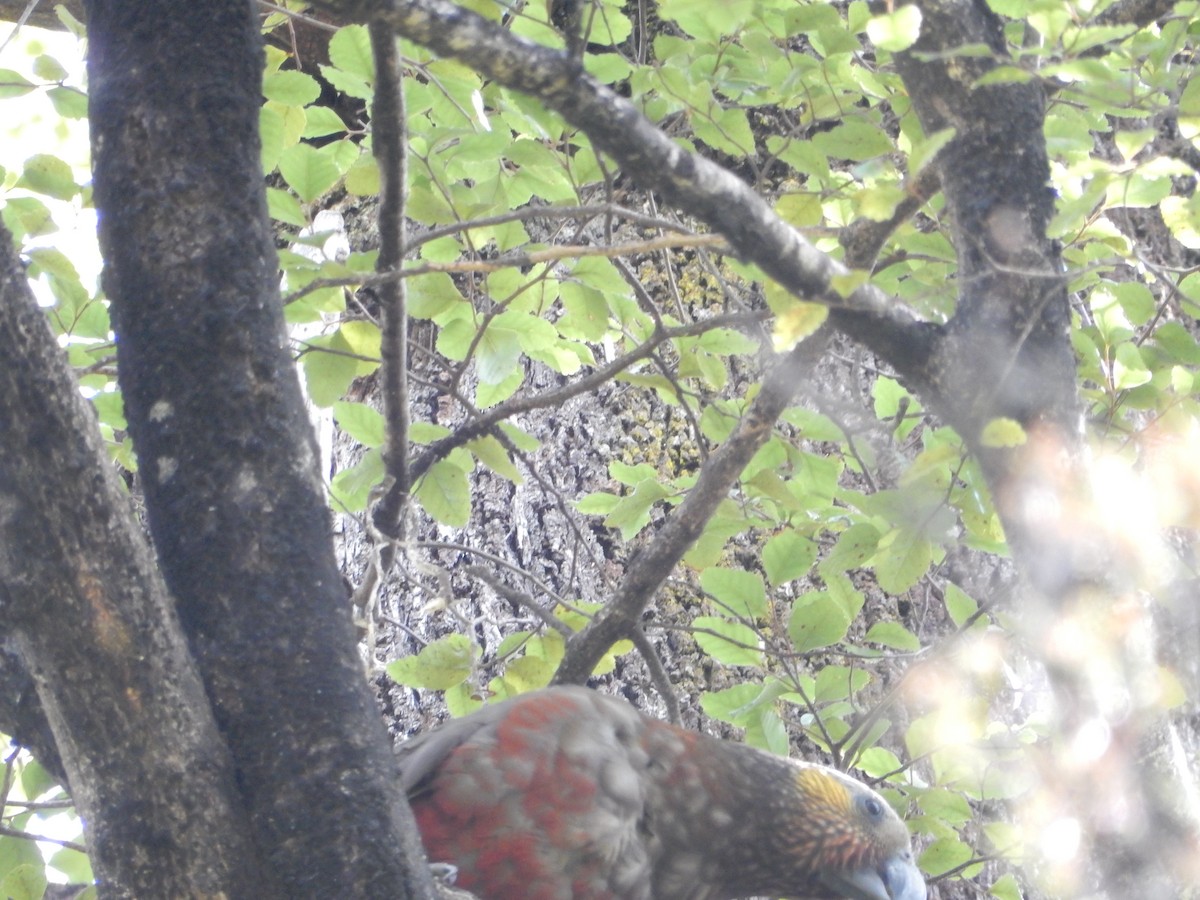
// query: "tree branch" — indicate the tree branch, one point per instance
point(621, 616)
point(93, 623)
point(237, 512)
point(652, 159)
point(389, 140)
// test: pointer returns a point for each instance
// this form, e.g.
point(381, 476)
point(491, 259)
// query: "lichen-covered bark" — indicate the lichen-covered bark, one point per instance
point(90, 619)
point(1006, 353)
point(227, 458)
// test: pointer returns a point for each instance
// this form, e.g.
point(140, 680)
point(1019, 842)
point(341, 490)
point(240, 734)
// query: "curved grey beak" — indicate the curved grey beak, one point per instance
point(897, 879)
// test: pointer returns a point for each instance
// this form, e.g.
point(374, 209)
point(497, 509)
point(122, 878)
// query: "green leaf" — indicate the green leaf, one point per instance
point(1136, 300)
point(585, 314)
point(607, 68)
point(707, 21)
point(599, 503)
point(736, 705)
point(856, 545)
point(76, 28)
point(739, 593)
point(309, 171)
point(632, 475)
point(959, 606)
point(35, 780)
point(902, 558)
point(1129, 369)
point(283, 207)
point(608, 662)
point(14, 84)
point(25, 882)
point(846, 284)
point(48, 68)
point(439, 666)
point(426, 432)
point(893, 634)
point(270, 134)
point(488, 395)
point(291, 88)
point(522, 440)
point(361, 422)
point(788, 556)
point(110, 409)
point(843, 591)
point(429, 296)
point(350, 51)
point(732, 643)
point(363, 178)
point(728, 130)
point(1002, 432)
point(897, 30)
point(1182, 219)
point(320, 121)
point(347, 83)
point(945, 854)
point(534, 332)
point(497, 354)
point(18, 853)
point(328, 375)
point(817, 620)
point(632, 512)
point(445, 493)
point(879, 762)
point(1006, 888)
point(351, 488)
point(27, 217)
point(363, 339)
point(854, 140)
point(797, 321)
point(889, 395)
point(462, 700)
point(877, 203)
point(946, 805)
point(69, 102)
point(926, 150)
point(527, 674)
point(492, 454)
point(800, 210)
point(48, 175)
point(73, 864)
point(839, 683)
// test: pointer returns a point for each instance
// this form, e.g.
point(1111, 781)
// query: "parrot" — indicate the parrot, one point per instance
point(565, 793)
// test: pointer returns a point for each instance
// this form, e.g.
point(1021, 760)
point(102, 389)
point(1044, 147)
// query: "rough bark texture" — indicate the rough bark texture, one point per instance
point(90, 618)
point(1007, 353)
point(226, 453)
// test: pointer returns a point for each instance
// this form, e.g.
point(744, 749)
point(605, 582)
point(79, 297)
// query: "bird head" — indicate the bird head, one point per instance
point(859, 847)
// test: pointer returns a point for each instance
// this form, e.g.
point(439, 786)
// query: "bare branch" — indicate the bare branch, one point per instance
point(389, 139)
point(621, 616)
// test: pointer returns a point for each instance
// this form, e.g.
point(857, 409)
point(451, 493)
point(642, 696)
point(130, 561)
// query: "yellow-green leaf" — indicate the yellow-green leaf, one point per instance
point(1003, 432)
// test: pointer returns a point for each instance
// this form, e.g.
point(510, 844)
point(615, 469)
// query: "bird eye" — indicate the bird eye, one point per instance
point(874, 807)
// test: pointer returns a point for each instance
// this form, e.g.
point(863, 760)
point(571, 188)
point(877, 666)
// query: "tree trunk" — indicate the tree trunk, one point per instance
point(227, 458)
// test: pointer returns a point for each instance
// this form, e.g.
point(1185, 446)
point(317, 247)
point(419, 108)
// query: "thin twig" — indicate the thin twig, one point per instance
point(389, 136)
point(484, 422)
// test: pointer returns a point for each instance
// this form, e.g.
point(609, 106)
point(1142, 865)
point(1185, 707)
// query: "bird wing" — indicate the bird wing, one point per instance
point(534, 787)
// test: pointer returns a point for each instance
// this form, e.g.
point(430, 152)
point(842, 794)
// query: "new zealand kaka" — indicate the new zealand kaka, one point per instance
point(565, 794)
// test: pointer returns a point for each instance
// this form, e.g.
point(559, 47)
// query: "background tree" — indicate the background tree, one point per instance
point(972, 225)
